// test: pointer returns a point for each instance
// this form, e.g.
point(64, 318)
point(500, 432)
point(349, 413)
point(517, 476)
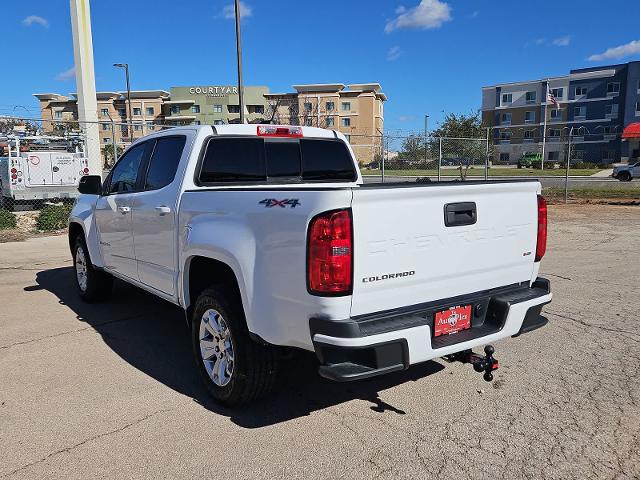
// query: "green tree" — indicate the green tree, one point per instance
point(107, 153)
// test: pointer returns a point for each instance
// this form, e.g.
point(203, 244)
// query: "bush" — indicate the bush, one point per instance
point(585, 165)
point(7, 219)
point(53, 217)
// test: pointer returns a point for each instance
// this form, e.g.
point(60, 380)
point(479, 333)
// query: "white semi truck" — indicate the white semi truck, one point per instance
point(40, 168)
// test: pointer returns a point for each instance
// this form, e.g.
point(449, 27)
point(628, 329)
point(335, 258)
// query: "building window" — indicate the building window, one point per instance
point(104, 112)
point(529, 117)
point(553, 156)
point(556, 114)
point(330, 121)
point(505, 136)
point(105, 126)
point(105, 140)
point(150, 111)
point(578, 154)
point(330, 106)
point(507, 98)
point(137, 111)
point(307, 107)
point(137, 128)
point(175, 109)
point(348, 137)
point(218, 122)
point(195, 108)
point(505, 119)
point(504, 158)
point(531, 97)
point(613, 87)
point(611, 110)
point(259, 109)
point(554, 132)
point(150, 126)
point(345, 122)
point(581, 91)
point(308, 122)
point(234, 108)
point(346, 106)
point(558, 93)
point(57, 114)
point(217, 109)
point(637, 109)
point(580, 112)
point(528, 134)
point(608, 155)
point(122, 112)
point(197, 122)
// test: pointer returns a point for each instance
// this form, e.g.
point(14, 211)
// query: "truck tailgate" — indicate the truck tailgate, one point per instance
point(404, 254)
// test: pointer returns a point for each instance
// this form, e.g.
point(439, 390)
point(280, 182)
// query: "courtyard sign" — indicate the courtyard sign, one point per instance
point(213, 91)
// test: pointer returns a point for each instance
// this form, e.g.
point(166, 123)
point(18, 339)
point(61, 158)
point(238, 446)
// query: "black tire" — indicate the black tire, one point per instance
point(254, 366)
point(99, 284)
point(624, 176)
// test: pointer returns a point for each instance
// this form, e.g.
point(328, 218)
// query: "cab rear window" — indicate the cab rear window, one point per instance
point(255, 160)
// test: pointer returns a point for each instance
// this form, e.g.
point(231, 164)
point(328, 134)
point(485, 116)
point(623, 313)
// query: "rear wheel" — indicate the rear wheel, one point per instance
point(235, 369)
point(93, 285)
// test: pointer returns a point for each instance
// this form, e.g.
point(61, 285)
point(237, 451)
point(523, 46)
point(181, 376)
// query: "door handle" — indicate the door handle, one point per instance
point(124, 210)
point(163, 209)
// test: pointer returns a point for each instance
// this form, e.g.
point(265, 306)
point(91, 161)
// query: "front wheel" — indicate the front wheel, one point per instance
point(624, 176)
point(235, 369)
point(93, 285)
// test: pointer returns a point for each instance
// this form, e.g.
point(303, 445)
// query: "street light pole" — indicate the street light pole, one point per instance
point(239, 55)
point(129, 116)
point(426, 131)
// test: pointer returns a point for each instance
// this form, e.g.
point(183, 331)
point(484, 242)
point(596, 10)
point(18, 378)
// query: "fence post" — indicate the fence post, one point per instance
point(384, 154)
point(440, 159)
point(486, 159)
point(566, 177)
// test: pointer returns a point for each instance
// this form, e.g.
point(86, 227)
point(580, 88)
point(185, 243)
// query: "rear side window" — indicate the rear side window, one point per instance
point(273, 159)
point(164, 162)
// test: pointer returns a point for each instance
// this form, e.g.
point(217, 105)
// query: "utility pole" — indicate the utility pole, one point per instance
point(239, 54)
point(86, 81)
point(129, 116)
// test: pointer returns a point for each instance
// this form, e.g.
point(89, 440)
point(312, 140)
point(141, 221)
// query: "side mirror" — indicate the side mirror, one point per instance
point(90, 184)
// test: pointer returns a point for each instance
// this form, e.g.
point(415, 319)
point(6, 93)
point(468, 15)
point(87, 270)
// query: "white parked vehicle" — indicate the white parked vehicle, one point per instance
point(46, 171)
point(268, 239)
point(625, 173)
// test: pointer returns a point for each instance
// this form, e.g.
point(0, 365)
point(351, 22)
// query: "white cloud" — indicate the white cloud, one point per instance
point(407, 118)
point(229, 11)
point(562, 41)
point(475, 14)
point(31, 19)
point(66, 75)
point(428, 14)
point(616, 53)
point(394, 53)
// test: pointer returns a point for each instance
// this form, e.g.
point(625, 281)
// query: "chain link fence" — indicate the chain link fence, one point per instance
point(42, 160)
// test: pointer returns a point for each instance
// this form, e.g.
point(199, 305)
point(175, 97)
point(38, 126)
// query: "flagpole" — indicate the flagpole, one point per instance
point(544, 128)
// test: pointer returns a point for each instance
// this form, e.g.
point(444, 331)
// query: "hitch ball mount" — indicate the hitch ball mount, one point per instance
point(486, 363)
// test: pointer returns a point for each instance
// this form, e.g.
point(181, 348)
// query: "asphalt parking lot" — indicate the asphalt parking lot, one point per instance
point(109, 391)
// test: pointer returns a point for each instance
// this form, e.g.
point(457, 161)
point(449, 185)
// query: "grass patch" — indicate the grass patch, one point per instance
point(595, 192)
point(479, 171)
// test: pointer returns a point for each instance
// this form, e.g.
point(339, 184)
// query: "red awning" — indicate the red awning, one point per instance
point(632, 131)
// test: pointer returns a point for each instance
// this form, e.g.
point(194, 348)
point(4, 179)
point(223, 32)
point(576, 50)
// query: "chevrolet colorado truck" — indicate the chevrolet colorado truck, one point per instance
point(269, 239)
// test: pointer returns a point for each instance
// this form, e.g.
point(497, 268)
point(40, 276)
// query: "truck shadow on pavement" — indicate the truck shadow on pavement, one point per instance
point(151, 335)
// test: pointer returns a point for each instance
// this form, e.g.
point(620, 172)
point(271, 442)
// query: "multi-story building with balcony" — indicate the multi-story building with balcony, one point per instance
point(594, 105)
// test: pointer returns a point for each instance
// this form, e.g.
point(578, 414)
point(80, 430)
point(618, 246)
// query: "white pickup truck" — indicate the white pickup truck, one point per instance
point(268, 238)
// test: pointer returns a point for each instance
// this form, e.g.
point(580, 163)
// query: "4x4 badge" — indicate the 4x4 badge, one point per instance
point(272, 202)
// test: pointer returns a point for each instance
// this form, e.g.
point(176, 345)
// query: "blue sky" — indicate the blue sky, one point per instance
point(429, 56)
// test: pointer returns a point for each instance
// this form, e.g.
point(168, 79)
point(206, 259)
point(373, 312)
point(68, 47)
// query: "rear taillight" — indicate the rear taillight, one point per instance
point(541, 241)
point(330, 251)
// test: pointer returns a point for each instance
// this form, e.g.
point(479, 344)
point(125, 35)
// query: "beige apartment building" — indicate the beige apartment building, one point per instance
point(356, 110)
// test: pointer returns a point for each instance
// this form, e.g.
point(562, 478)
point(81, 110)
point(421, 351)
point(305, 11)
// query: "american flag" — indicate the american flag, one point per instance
point(551, 98)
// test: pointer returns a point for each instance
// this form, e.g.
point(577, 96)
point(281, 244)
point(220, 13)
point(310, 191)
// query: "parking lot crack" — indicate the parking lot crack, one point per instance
point(55, 335)
point(84, 442)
